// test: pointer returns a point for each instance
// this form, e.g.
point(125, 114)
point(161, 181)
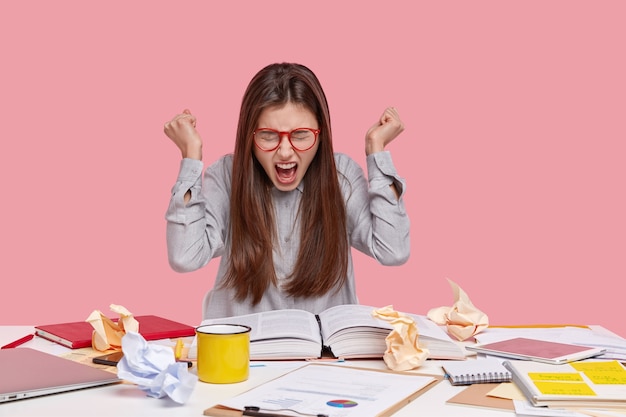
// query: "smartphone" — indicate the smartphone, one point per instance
point(109, 359)
point(113, 358)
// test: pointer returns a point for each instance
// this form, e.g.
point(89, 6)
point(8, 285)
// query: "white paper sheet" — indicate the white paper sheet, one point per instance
point(335, 391)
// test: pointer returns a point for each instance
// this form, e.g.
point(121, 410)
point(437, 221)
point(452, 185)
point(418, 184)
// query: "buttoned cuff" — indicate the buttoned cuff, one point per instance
point(190, 170)
point(382, 172)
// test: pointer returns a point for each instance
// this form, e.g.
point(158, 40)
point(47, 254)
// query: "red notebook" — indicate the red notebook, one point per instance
point(78, 334)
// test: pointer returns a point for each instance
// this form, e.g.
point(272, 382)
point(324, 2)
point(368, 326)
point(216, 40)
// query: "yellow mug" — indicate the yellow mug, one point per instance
point(223, 353)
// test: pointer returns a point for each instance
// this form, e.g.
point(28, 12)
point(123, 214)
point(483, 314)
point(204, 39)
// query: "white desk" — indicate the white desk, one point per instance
point(127, 400)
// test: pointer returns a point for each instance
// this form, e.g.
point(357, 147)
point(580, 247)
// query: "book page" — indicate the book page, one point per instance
point(351, 331)
point(342, 317)
point(350, 315)
point(429, 329)
point(290, 324)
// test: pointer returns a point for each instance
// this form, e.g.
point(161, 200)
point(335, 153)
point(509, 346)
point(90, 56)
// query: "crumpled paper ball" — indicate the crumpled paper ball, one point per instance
point(403, 350)
point(154, 369)
point(462, 320)
point(108, 334)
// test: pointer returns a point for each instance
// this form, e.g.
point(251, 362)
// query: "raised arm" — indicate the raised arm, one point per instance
point(377, 220)
point(386, 129)
point(182, 131)
point(195, 227)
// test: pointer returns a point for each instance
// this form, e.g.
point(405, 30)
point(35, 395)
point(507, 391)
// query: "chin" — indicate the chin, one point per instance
point(286, 187)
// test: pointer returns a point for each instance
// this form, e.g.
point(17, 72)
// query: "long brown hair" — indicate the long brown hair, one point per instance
point(322, 262)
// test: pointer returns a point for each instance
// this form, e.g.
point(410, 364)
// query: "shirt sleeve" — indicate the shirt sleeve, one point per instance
point(196, 230)
point(378, 224)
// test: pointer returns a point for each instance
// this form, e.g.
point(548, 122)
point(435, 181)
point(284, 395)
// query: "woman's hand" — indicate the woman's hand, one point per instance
point(384, 131)
point(182, 131)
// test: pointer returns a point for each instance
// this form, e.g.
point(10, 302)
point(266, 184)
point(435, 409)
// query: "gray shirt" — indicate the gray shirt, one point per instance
point(377, 224)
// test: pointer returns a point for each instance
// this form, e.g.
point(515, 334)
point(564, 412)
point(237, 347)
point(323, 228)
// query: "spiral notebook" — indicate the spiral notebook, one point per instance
point(476, 371)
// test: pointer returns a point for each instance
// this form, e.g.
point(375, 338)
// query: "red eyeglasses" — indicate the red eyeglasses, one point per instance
point(301, 138)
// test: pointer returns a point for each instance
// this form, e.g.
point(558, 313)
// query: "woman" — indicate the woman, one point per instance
point(283, 210)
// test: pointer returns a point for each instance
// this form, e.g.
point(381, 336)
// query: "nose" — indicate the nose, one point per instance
point(284, 147)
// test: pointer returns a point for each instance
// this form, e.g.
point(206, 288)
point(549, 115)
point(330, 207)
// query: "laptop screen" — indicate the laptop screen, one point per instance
point(28, 373)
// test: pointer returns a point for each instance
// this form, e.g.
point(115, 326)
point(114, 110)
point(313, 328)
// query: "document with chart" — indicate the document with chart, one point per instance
point(332, 390)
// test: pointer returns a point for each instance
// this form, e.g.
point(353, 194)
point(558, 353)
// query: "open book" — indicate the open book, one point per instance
point(346, 331)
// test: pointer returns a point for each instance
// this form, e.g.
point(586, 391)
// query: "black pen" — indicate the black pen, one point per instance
point(256, 411)
point(260, 414)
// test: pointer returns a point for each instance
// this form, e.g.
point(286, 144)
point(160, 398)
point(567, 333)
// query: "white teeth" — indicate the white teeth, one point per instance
point(286, 166)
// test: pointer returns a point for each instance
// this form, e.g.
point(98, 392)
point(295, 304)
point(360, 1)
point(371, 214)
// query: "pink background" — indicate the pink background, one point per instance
point(513, 149)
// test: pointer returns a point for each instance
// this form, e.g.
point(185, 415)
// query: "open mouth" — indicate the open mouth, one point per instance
point(286, 173)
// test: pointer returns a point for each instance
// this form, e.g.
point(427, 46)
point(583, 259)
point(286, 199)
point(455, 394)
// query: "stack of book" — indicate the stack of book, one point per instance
point(584, 384)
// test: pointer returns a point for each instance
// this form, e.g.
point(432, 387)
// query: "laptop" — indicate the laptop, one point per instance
point(27, 373)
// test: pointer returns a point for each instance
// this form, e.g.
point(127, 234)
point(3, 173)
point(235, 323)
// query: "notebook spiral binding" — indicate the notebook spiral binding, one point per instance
point(481, 378)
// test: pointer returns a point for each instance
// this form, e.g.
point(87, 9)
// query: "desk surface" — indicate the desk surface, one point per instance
point(127, 400)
